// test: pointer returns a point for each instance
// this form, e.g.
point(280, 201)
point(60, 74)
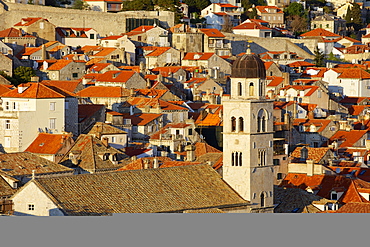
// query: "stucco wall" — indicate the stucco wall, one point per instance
point(31, 194)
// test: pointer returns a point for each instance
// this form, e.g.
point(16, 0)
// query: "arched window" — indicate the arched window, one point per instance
point(240, 89)
point(262, 199)
point(233, 124)
point(232, 159)
point(261, 89)
point(236, 158)
point(262, 121)
point(241, 124)
point(240, 158)
point(251, 89)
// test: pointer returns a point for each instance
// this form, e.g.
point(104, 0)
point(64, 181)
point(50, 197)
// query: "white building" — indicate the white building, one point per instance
point(34, 108)
point(77, 36)
point(348, 81)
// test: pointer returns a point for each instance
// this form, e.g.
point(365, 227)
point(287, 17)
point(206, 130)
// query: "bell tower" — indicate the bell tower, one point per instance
point(248, 134)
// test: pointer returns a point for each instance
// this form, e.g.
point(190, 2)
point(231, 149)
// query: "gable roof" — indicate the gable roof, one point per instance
point(347, 138)
point(212, 32)
point(22, 164)
point(264, 9)
point(251, 25)
point(89, 148)
point(201, 56)
point(319, 32)
point(357, 73)
point(141, 119)
point(38, 91)
point(157, 51)
point(315, 154)
point(46, 143)
point(104, 92)
point(141, 191)
point(101, 128)
point(115, 76)
point(28, 21)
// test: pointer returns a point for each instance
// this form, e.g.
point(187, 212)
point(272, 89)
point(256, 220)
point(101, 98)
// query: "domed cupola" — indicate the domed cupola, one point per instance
point(248, 66)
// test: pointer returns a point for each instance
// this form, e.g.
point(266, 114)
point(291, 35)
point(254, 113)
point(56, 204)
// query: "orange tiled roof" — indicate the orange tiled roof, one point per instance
point(69, 86)
point(104, 52)
point(46, 143)
point(4, 89)
point(157, 135)
point(268, 64)
point(309, 90)
point(348, 138)
point(322, 123)
point(154, 103)
point(30, 50)
point(28, 21)
point(38, 91)
point(141, 119)
point(353, 207)
point(315, 154)
point(99, 66)
point(275, 81)
point(157, 51)
point(112, 37)
point(319, 32)
point(202, 56)
point(352, 73)
point(165, 71)
point(153, 93)
point(320, 72)
point(212, 32)
point(300, 64)
point(263, 9)
point(132, 68)
point(251, 25)
point(356, 110)
point(60, 64)
point(115, 76)
point(105, 92)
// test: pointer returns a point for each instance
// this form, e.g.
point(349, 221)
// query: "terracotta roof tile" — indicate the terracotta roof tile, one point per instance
point(212, 32)
point(105, 92)
point(251, 25)
point(157, 51)
point(263, 9)
point(28, 21)
point(115, 76)
point(202, 56)
point(319, 32)
point(46, 143)
point(347, 138)
point(352, 73)
point(141, 119)
point(145, 191)
point(38, 91)
point(22, 164)
point(315, 154)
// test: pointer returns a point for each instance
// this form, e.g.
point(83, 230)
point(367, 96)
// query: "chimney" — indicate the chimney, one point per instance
point(63, 139)
point(155, 163)
point(105, 141)
point(286, 119)
point(22, 88)
point(35, 79)
point(310, 167)
point(146, 164)
point(190, 152)
point(133, 158)
point(286, 77)
point(132, 92)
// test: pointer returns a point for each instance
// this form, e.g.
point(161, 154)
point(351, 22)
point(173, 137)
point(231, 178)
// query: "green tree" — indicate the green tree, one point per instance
point(138, 5)
point(295, 9)
point(319, 58)
point(9, 78)
point(353, 17)
point(23, 74)
point(79, 4)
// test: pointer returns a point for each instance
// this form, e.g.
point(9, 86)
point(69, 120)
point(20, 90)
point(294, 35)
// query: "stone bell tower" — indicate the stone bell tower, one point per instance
point(248, 134)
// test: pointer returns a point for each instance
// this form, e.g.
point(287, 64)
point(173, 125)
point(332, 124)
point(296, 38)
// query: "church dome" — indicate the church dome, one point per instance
point(248, 66)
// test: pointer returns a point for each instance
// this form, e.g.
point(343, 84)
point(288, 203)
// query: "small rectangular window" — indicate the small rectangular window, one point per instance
point(92, 36)
point(52, 122)
point(7, 124)
point(14, 106)
point(52, 106)
point(31, 207)
point(74, 75)
point(190, 132)
point(7, 105)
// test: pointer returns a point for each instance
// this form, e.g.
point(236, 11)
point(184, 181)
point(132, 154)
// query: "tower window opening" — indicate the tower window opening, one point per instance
point(241, 124)
point(240, 89)
point(251, 89)
point(233, 124)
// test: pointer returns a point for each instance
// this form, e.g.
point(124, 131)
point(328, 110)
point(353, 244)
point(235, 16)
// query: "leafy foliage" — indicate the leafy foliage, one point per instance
point(295, 9)
point(23, 74)
point(319, 58)
point(9, 78)
point(138, 5)
point(353, 17)
point(79, 4)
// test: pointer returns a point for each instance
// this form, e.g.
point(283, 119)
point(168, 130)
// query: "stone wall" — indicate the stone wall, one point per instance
point(104, 23)
point(260, 45)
